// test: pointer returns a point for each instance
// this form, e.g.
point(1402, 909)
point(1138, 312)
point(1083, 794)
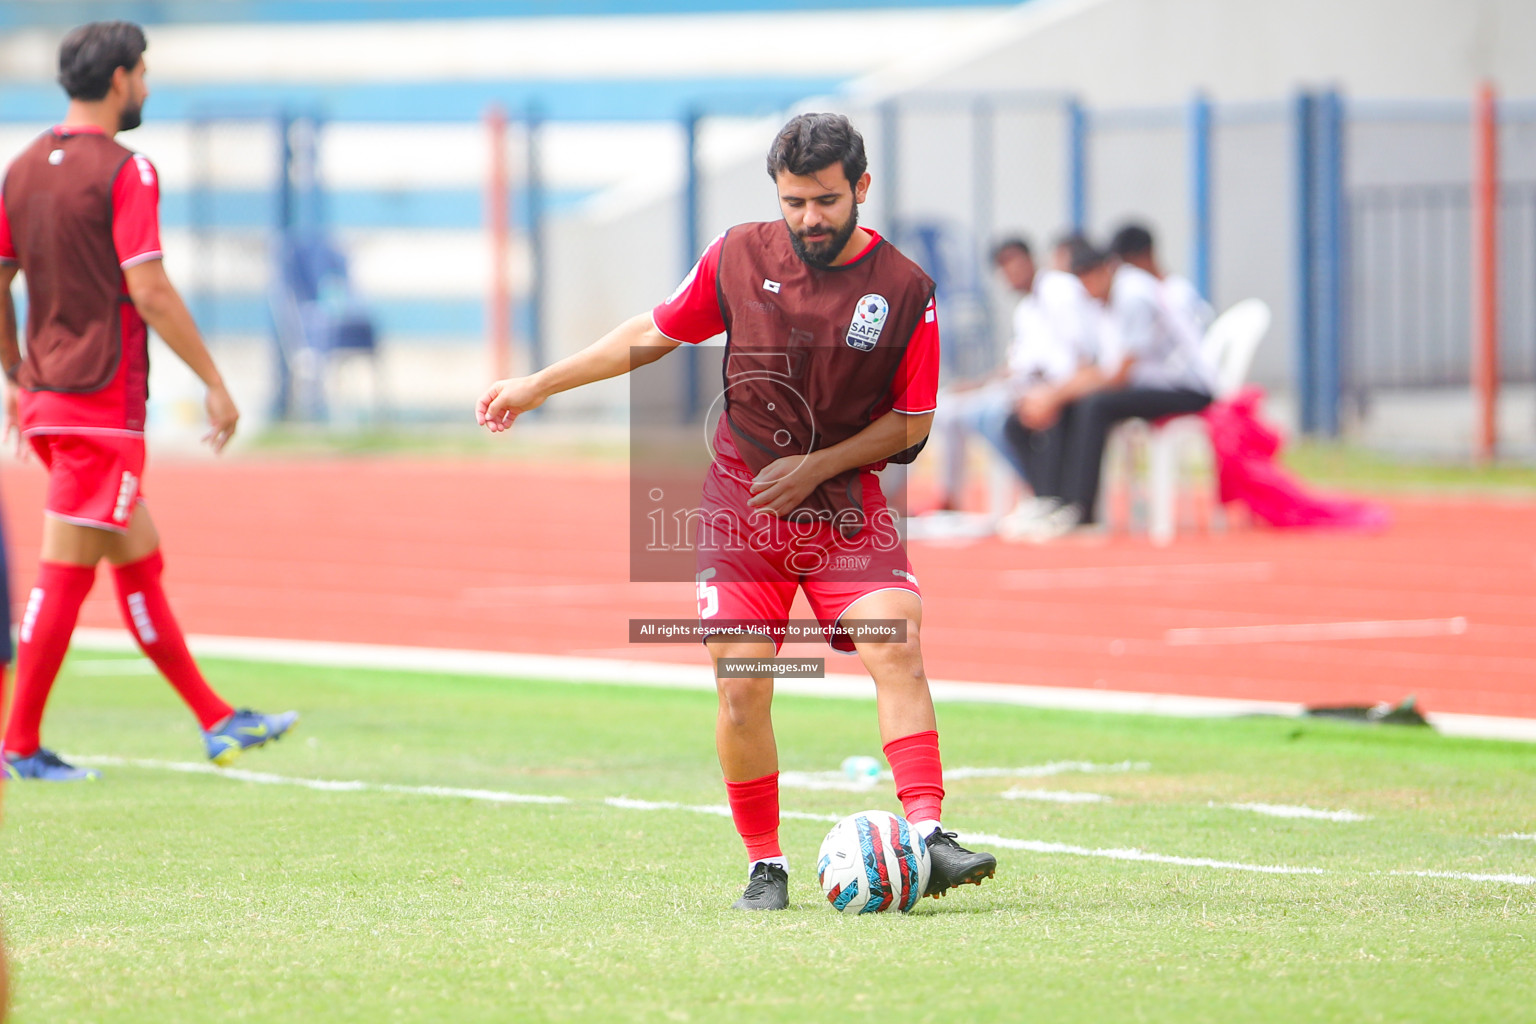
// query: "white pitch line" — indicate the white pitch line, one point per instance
point(1519, 835)
point(1055, 796)
point(716, 810)
point(831, 781)
point(1037, 846)
point(838, 781)
point(1290, 811)
point(1305, 632)
point(1040, 771)
point(720, 810)
point(662, 675)
point(1465, 877)
point(494, 796)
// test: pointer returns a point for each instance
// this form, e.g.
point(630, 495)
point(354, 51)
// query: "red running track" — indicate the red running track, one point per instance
point(532, 558)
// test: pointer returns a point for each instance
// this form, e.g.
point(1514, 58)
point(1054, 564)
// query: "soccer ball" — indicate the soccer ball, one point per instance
point(871, 862)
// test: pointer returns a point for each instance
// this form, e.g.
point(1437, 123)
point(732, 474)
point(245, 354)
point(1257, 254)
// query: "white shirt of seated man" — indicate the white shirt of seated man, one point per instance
point(1057, 329)
point(1161, 325)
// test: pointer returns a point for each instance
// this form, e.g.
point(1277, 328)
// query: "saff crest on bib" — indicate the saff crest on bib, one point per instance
point(869, 318)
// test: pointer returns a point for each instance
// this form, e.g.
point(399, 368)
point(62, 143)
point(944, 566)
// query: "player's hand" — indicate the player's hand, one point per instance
point(1038, 409)
point(506, 400)
point(222, 417)
point(13, 420)
point(783, 484)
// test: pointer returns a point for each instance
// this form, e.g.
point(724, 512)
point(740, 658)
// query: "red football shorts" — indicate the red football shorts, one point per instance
point(750, 561)
point(93, 479)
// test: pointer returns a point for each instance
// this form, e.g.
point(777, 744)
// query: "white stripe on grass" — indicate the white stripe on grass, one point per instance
point(494, 796)
point(837, 781)
point(843, 783)
point(1289, 811)
point(1040, 771)
point(720, 810)
point(1037, 846)
point(1464, 877)
point(561, 668)
point(1519, 835)
point(1054, 796)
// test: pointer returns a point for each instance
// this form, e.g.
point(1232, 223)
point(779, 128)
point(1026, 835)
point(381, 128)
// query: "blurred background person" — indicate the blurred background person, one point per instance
point(80, 217)
point(1157, 322)
point(1073, 355)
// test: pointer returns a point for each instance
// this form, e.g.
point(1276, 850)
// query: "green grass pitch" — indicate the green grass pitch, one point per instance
point(165, 896)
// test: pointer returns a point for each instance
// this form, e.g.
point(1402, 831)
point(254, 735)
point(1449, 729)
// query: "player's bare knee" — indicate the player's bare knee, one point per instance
point(745, 701)
point(895, 658)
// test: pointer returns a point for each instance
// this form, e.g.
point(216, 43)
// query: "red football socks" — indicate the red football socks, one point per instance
point(148, 615)
point(919, 775)
point(52, 609)
point(755, 809)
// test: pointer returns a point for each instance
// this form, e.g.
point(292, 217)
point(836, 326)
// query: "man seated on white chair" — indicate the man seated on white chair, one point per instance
point(1071, 355)
point(981, 408)
point(1158, 321)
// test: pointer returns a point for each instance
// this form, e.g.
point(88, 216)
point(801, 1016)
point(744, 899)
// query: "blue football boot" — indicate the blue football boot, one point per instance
point(243, 730)
point(46, 766)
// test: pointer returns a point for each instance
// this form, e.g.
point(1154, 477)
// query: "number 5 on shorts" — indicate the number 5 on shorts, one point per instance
point(709, 596)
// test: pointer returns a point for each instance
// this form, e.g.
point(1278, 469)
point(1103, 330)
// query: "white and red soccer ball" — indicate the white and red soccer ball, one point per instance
point(871, 862)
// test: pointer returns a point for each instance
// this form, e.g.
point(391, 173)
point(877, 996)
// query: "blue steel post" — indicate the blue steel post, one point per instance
point(282, 394)
point(692, 193)
point(1329, 199)
point(1200, 193)
point(534, 191)
point(890, 145)
point(1077, 165)
point(1301, 138)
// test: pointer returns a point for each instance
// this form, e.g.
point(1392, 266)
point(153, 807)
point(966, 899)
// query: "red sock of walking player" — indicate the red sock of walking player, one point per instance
point(919, 777)
point(52, 610)
point(148, 614)
point(755, 809)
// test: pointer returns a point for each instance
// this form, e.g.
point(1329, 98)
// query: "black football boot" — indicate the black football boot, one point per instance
point(954, 865)
point(767, 889)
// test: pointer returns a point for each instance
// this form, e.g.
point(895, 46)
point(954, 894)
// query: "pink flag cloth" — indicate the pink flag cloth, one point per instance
point(1248, 472)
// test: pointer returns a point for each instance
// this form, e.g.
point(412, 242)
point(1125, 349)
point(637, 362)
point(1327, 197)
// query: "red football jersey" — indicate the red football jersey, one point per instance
point(693, 314)
point(118, 406)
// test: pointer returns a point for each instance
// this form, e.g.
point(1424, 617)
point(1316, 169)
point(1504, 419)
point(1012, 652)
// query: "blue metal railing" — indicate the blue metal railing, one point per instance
point(1410, 297)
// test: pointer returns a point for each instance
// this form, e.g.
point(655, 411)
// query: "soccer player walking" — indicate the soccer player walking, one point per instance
point(79, 217)
point(853, 323)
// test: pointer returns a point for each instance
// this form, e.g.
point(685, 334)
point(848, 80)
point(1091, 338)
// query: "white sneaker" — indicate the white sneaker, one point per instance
point(1016, 525)
point(1058, 523)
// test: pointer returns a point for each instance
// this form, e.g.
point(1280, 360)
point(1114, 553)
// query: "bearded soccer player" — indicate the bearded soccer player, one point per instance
point(853, 322)
point(79, 218)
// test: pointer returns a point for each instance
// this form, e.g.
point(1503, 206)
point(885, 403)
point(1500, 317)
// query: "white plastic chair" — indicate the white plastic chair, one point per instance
point(1229, 346)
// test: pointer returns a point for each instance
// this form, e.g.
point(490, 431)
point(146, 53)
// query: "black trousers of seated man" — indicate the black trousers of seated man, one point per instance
point(1064, 460)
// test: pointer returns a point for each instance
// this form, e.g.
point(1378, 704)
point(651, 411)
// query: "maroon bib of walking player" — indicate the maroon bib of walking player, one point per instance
point(812, 353)
point(58, 200)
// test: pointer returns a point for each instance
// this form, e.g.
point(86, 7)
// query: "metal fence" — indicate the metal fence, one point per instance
point(1351, 218)
point(1410, 299)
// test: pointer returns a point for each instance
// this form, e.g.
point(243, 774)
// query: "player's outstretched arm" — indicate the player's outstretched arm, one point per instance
point(633, 343)
point(10, 350)
point(160, 305)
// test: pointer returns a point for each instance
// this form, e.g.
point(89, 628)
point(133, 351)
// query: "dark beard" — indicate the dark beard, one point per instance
point(130, 118)
point(825, 252)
